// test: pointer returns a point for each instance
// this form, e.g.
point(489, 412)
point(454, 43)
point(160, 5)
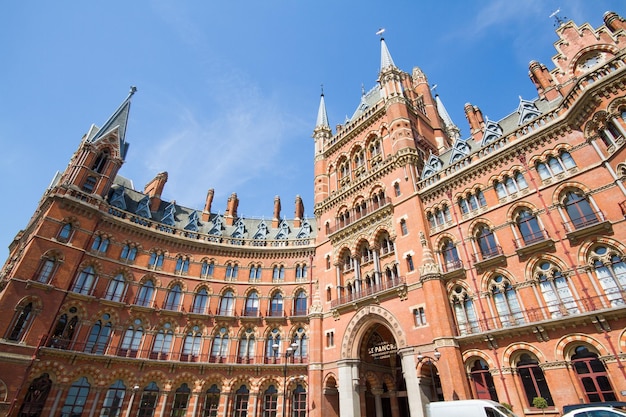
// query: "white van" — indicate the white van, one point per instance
point(467, 408)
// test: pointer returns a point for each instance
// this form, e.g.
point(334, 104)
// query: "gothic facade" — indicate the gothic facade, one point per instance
point(436, 267)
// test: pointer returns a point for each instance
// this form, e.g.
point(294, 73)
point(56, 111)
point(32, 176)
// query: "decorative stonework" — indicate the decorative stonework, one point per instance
point(359, 323)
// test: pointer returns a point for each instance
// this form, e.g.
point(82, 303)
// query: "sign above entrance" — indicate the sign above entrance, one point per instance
point(382, 350)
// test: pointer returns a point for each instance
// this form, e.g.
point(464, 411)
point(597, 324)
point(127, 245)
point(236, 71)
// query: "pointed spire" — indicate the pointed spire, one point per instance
point(385, 57)
point(118, 120)
point(451, 129)
point(322, 117)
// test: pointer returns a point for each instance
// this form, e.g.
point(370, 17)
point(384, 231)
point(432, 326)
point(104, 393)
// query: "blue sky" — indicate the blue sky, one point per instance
point(228, 92)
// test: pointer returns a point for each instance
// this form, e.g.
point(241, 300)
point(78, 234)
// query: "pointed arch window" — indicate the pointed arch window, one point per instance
point(252, 304)
point(273, 339)
point(270, 402)
point(227, 303)
point(555, 165)
point(182, 265)
point(300, 304)
point(132, 340)
point(276, 305)
point(85, 281)
point(149, 399)
point(21, 322)
point(173, 299)
point(300, 351)
point(162, 343)
point(247, 346)
point(116, 288)
point(65, 233)
point(528, 226)
point(219, 350)
point(483, 381)
point(486, 242)
point(301, 271)
point(232, 271)
point(555, 290)
point(112, 404)
point(533, 379)
point(200, 301)
point(610, 270)
point(36, 396)
point(100, 162)
point(510, 185)
point(76, 398)
point(464, 311)
point(144, 297)
point(156, 260)
point(579, 209)
point(100, 244)
point(451, 260)
point(242, 396)
point(47, 268)
point(255, 272)
point(128, 254)
point(278, 273)
point(99, 335)
point(506, 302)
point(211, 402)
point(191, 344)
point(592, 375)
point(298, 402)
point(207, 269)
point(63, 332)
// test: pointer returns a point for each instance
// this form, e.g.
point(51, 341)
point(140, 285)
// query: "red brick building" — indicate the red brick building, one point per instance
point(436, 268)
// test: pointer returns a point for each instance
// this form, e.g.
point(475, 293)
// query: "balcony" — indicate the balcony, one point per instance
point(386, 289)
point(489, 259)
point(453, 269)
point(588, 225)
point(533, 243)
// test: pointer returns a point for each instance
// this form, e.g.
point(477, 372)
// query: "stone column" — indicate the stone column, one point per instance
point(348, 373)
point(378, 401)
point(377, 279)
point(56, 401)
point(95, 402)
point(409, 370)
point(163, 403)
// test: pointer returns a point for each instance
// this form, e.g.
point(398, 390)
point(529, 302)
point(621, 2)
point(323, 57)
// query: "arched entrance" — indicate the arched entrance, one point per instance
point(376, 368)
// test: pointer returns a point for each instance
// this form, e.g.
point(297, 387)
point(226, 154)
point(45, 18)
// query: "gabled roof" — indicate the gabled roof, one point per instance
point(116, 123)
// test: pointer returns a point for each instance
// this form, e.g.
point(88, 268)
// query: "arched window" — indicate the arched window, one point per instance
point(276, 304)
point(200, 301)
point(128, 254)
point(21, 322)
point(100, 162)
point(298, 402)
point(36, 396)
point(63, 332)
point(207, 269)
point(219, 350)
point(483, 381)
point(611, 272)
point(181, 399)
point(191, 344)
point(579, 210)
point(528, 226)
point(403, 227)
point(162, 343)
point(409, 263)
point(301, 271)
point(115, 289)
point(172, 301)
point(533, 380)
point(273, 340)
point(100, 244)
point(464, 311)
point(65, 233)
point(300, 304)
point(85, 281)
point(242, 396)
point(396, 189)
point(278, 273)
point(246, 346)
point(76, 399)
point(505, 299)
point(132, 340)
point(510, 185)
point(99, 335)
point(144, 297)
point(451, 261)
point(156, 260)
point(252, 304)
point(211, 402)
point(300, 351)
point(555, 165)
point(592, 375)
point(231, 271)
point(227, 303)
point(149, 399)
point(385, 244)
point(270, 402)
point(555, 290)
point(255, 272)
point(47, 269)
point(182, 265)
point(486, 242)
point(112, 404)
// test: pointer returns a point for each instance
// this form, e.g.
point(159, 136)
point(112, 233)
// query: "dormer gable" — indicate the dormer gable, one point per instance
point(493, 131)
point(527, 111)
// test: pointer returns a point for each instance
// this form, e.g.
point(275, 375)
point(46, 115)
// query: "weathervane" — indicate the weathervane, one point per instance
point(380, 32)
point(558, 21)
